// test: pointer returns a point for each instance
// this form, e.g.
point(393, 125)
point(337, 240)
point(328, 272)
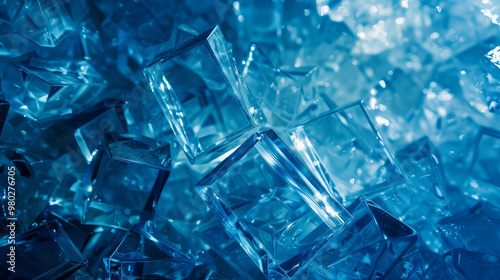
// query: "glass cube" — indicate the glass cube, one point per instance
point(483, 179)
point(124, 181)
point(31, 191)
point(101, 244)
point(46, 22)
point(272, 205)
point(423, 195)
point(346, 152)
point(198, 87)
point(368, 248)
point(45, 252)
point(280, 94)
point(48, 89)
point(465, 264)
point(214, 234)
point(92, 124)
point(475, 229)
point(145, 252)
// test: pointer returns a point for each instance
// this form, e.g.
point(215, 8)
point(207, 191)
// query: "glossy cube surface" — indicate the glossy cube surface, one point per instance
point(124, 181)
point(202, 95)
point(272, 205)
point(345, 150)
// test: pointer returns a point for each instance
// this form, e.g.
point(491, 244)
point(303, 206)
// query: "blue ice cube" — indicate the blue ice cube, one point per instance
point(272, 205)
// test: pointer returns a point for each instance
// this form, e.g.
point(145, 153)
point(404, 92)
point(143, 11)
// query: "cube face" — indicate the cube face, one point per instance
point(369, 246)
point(45, 252)
point(135, 182)
point(46, 22)
point(214, 234)
point(278, 92)
point(144, 252)
point(213, 105)
point(44, 90)
point(476, 229)
point(264, 196)
point(482, 181)
point(124, 182)
point(91, 134)
point(465, 264)
point(423, 195)
point(344, 149)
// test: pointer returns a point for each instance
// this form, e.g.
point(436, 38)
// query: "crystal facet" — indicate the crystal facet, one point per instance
point(197, 110)
point(345, 150)
point(144, 253)
point(423, 195)
point(483, 182)
point(45, 252)
point(476, 229)
point(90, 133)
point(368, 248)
point(49, 89)
point(125, 163)
point(46, 22)
point(272, 205)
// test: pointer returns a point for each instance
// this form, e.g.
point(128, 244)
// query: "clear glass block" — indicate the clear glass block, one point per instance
point(447, 121)
point(124, 181)
point(46, 22)
point(465, 264)
point(215, 235)
point(45, 90)
point(423, 195)
point(369, 247)
point(44, 252)
point(483, 182)
point(277, 92)
point(346, 152)
point(144, 252)
point(92, 124)
point(272, 205)
point(180, 209)
point(198, 110)
point(475, 229)
point(101, 243)
point(32, 192)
